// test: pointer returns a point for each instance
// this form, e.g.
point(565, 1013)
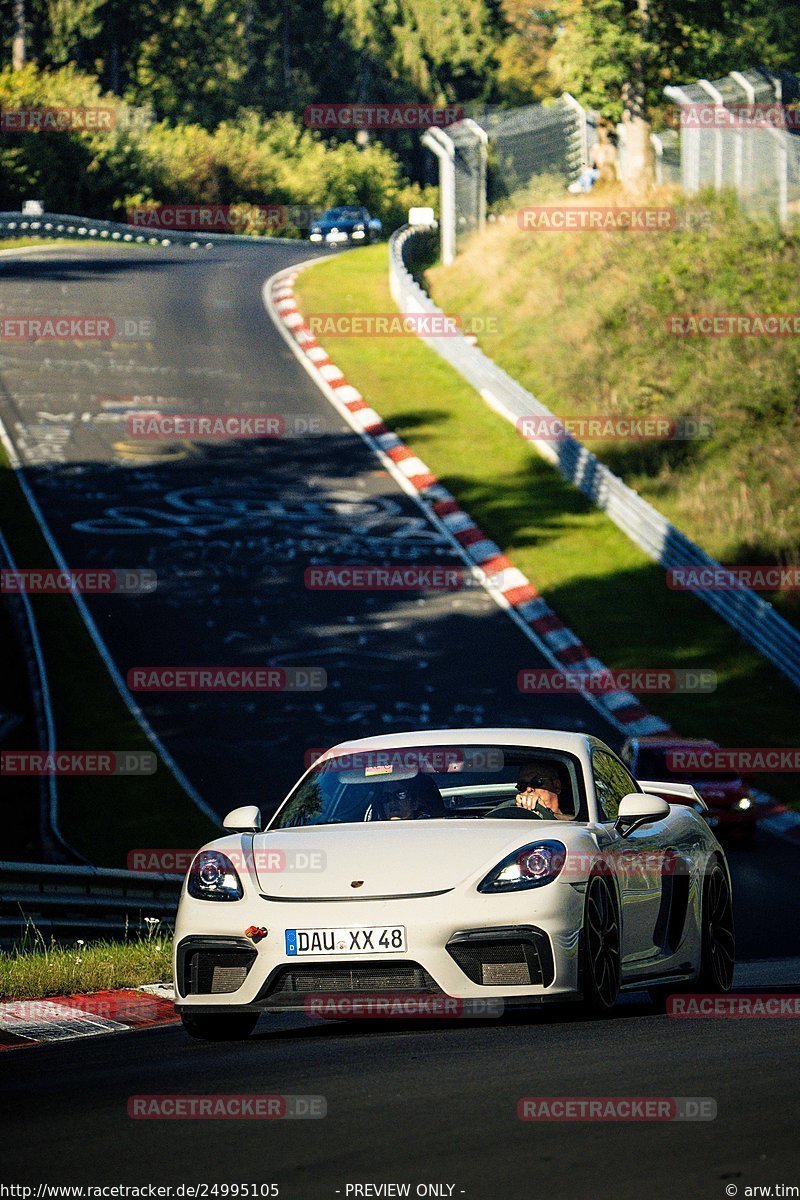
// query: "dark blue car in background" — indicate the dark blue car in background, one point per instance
point(350, 225)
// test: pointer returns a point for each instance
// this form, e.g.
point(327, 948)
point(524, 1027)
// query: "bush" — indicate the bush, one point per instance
point(250, 160)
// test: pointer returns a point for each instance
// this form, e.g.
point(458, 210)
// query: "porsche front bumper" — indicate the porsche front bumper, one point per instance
point(469, 946)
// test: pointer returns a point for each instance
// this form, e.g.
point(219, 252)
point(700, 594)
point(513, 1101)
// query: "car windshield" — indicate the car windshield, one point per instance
point(652, 763)
point(445, 782)
point(342, 214)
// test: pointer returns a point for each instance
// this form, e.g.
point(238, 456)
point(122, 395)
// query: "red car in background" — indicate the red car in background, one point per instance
point(731, 808)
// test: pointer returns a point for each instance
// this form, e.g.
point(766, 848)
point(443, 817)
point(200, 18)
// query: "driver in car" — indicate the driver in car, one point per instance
point(538, 790)
point(414, 800)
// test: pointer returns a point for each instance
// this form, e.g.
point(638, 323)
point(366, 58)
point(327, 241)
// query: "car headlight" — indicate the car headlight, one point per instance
point(212, 876)
point(745, 802)
point(532, 867)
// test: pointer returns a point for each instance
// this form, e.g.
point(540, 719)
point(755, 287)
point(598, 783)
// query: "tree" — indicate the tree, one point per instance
point(19, 41)
point(524, 50)
point(70, 22)
point(617, 56)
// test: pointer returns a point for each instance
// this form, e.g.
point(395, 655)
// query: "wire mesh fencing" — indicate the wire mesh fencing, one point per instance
point(493, 154)
point(742, 133)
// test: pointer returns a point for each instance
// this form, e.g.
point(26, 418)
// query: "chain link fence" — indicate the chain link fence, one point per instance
point(490, 156)
point(742, 133)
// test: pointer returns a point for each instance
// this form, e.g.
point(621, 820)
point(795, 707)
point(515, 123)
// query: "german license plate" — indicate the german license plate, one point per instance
point(358, 939)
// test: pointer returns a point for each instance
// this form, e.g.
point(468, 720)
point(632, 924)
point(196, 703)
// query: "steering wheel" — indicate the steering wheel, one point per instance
point(514, 812)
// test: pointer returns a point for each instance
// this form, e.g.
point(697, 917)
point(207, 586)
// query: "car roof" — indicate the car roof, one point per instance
point(534, 739)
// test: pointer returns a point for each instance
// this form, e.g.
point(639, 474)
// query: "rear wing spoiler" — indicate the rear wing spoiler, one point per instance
point(681, 791)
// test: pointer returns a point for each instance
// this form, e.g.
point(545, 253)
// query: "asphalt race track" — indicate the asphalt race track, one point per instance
point(417, 1103)
point(230, 528)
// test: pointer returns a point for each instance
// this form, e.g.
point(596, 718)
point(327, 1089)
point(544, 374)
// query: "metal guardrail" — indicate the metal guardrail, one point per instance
point(748, 613)
point(65, 225)
point(66, 901)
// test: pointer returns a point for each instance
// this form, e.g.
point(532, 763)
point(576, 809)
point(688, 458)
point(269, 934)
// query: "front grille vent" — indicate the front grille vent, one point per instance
point(215, 971)
point(511, 959)
point(291, 985)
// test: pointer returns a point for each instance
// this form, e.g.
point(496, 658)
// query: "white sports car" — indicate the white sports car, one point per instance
point(502, 865)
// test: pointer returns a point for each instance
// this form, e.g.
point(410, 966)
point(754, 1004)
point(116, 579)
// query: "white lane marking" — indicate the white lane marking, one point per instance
point(100, 646)
point(44, 689)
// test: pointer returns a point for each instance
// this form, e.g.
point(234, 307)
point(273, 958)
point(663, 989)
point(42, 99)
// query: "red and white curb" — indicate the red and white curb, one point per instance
point(512, 590)
point(63, 1018)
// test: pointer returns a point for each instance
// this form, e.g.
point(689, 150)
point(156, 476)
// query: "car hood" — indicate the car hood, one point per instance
point(385, 859)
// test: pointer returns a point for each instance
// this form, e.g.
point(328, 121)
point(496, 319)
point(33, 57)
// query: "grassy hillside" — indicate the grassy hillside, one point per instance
point(583, 324)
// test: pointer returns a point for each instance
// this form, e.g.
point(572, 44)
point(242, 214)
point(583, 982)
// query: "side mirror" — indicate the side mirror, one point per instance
point(636, 809)
point(244, 820)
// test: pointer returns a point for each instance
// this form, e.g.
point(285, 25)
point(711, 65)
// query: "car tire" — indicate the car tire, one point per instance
point(600, 947)
point(219, 1027)
point(717, 935)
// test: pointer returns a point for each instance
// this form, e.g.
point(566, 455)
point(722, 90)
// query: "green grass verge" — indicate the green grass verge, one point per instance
point(15, 243)
point(596, 579)
point(103, 817)
point(35, 971)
